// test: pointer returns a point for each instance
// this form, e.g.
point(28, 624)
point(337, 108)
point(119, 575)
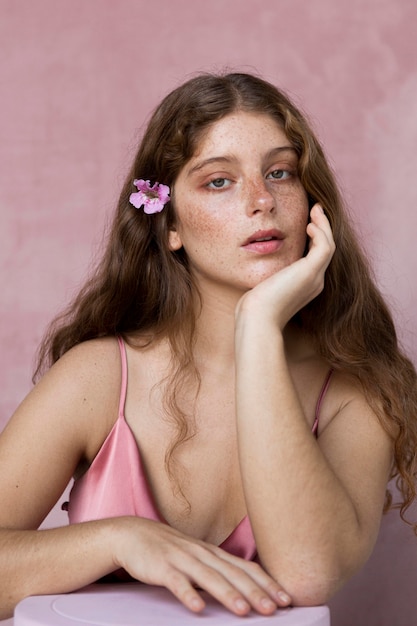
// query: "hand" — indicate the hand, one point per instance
point(283, 294)
point(157, 554)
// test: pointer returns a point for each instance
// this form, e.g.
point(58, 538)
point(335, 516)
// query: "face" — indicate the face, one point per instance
point(241, 209)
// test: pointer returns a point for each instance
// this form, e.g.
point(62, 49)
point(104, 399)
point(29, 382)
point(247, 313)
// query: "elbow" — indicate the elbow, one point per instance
point(312, 584)
point(311, 577)
point(307, 592)
point(9, 599)
point(5, 614)
point(6, 609)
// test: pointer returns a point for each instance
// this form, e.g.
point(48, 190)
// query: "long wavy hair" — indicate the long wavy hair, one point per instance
point(141, 289)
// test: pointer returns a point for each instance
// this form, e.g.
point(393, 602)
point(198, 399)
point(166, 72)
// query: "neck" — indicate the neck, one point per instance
point(215, 328)
point(215, 332)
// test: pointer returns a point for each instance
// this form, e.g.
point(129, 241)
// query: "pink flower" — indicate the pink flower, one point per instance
point(153, 199)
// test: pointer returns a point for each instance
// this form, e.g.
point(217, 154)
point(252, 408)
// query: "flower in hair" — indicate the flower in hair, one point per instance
point(152, 198)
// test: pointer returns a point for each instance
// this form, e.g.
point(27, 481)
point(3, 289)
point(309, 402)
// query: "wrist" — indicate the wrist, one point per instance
point(257, 334)
point(118, 534)
point(262, 315)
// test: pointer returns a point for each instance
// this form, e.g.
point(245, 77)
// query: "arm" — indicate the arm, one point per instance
point(40, 449)
point(315, 507)
point(63, 422)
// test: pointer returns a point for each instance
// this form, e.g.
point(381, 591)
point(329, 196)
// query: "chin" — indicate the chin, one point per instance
point(260, 276)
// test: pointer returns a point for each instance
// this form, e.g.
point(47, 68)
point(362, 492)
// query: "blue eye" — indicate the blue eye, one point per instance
point(218, 183)
point(279, 174)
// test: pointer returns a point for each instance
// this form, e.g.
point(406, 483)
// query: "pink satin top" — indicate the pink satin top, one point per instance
point(115, 484)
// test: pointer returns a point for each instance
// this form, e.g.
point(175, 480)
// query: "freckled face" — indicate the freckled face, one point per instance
point(241, 209)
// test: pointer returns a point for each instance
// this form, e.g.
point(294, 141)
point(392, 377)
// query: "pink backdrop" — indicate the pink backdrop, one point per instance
point(78, 79)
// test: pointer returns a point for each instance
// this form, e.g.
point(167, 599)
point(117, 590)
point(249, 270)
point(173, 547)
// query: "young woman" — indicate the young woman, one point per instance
point(226, 389)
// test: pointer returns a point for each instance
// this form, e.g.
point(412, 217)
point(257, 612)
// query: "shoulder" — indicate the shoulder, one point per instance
point(347, 412)
point(344, 397)
point(95, 354)
point(82, 388)
point(87, 368)
point(338, 396)
point(95, 362)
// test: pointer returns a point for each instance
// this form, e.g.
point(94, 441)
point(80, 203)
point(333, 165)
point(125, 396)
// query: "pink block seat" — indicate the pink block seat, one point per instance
point(134, 604)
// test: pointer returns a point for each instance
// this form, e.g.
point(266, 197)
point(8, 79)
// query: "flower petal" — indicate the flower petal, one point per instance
point(153, 207)
point(152, 198)
point(163, 193)
point(142, 185)
point(137, 199)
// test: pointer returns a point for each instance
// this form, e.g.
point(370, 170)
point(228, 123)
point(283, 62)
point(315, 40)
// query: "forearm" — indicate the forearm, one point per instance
point(37, 562)
point(305, 524)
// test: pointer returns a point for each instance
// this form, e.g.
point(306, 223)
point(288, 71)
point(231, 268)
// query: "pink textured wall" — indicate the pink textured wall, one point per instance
point(78, 78)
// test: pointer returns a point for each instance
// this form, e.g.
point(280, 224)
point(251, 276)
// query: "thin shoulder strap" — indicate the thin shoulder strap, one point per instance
point(123, 388)
point(320, 401)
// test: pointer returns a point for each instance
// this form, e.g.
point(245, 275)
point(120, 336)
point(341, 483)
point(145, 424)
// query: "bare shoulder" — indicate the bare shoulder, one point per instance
point(345, 399)
point(59, 427)
point(88, 377)
point(78, 396)
point(89, 366)
point(344, 408)
point(351, 434)
point(91, 358)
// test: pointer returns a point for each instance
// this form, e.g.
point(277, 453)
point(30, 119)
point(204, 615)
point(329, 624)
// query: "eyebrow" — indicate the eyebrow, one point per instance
point(229, 159)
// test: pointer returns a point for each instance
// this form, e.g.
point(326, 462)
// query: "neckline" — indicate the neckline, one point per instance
point(243, 526)
point(157, 515)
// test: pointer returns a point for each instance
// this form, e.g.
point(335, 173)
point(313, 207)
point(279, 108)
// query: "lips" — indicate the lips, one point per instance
point(264, 235)
point(264, 241)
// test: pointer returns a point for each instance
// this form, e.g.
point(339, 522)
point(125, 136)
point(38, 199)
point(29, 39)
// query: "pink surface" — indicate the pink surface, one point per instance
point(134, 605)
point(79, 78)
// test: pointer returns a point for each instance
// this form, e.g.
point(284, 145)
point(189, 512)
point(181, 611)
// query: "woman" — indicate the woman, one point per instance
point(226, 389)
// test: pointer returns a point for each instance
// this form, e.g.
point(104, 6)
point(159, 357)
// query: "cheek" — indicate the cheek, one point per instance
point(201, 225)
point(298, 218)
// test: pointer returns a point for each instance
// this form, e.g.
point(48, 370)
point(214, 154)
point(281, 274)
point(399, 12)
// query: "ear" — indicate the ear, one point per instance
point(174, 239)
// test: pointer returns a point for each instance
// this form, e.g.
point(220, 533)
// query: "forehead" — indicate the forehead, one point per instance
point(241, 130)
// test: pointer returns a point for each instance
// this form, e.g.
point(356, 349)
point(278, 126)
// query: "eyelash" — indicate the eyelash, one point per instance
point(288, 173)
point(214, 180)
point(281, 171)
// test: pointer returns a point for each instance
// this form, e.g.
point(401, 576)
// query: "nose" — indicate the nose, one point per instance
point(259, 198)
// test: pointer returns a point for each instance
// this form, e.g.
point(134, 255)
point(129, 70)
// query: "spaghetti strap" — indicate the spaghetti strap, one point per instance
point(320, 400)
point(123, 388)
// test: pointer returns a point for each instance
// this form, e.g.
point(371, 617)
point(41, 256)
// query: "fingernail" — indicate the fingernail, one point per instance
point(268, 604)
point(197, 604)
point(284, 597)
point(241, 605)
point(320, 208)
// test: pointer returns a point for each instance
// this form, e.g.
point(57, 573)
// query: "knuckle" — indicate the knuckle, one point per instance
point(174, 580)
point(202, 552)
point(255, 568)
point(187, 595)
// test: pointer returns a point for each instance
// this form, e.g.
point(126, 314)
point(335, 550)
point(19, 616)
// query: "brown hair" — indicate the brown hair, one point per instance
point(142, 288)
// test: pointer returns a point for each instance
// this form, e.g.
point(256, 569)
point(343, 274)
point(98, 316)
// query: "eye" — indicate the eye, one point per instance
point(279, 174)
point(218, 183)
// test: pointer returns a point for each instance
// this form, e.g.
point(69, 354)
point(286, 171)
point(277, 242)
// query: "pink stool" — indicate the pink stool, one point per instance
point(133, 604)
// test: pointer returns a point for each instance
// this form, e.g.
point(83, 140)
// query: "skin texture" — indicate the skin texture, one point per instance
point(244, 167)
point(314, 504)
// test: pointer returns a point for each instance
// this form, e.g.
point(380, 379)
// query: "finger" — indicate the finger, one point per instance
point(274, 590)
point(246, 578)
point(322, 245)
point(253, 569)
point(262, 592)
point(320, 219)
point(194, 567)
point(181, 587)
point(219, 585)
